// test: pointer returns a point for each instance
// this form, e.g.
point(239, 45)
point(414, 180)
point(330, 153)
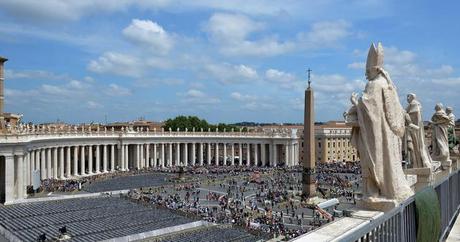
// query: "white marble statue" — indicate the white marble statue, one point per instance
point(450, 114)
point(439, 135)
point(378, 121)
point(415, 134)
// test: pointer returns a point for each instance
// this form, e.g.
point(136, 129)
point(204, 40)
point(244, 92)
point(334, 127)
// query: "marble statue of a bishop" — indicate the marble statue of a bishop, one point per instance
point(417, 150)
point(378, 121)
point(439, 135)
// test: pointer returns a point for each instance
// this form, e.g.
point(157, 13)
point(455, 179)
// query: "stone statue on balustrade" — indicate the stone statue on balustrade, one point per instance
point(378, 122)
point(453, 142)
point(416, 151)
point(440, 123)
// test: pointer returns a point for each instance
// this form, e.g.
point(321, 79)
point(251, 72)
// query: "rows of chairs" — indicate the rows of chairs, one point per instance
point(211, 234)
point(86, 219)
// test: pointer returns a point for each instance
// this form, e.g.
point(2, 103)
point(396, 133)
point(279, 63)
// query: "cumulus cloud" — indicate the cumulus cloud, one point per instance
point(242, 97)
point(116, 90)
point(33, 74)
point(325, 34)
point(232, 31)
point(195, 96)
point(149, 34)
point(227, 73)
point(117, 63)
point(283, 79)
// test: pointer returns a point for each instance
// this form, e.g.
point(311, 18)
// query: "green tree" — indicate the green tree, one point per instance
point(182, 122)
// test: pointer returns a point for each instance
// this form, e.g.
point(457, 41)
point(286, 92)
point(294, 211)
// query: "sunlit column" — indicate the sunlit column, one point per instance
point(20, 176)
point(186, 154)
point(49, 170)
point(75, 160)
point(170, 155)
point(240, 153)
point(177, 154)
point(209, 154)
point(104, 158)
point(286, 154)
point(248, 154)
point(154, 155)
point(217, 154)
point(200, 155)
point(233, 154)
point(68, 162)
point(82, 161)
point(127, 158)
point(61, 162)
point(112, 157)
point(98, 159)
point(256, 154)
point(193, 154)
point(90, 159)
point(225, 153)
point(147, 155)
point(54, 161)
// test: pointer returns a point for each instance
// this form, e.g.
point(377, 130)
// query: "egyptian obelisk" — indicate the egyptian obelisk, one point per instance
point(308, 162)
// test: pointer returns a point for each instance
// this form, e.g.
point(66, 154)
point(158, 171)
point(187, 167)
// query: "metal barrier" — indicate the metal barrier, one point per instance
point(399, 224)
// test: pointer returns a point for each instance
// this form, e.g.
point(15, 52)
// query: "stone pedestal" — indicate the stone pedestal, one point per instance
point(376, 203)
point(423, 174)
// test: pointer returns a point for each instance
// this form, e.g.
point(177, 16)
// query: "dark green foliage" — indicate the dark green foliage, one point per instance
point(190, 122)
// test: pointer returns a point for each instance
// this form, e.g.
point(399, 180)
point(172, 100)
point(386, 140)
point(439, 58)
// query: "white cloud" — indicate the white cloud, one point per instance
point(325, 34)
point(357, 65)
point(195, 96)
point(33, 74)
point(242, 97)
point(117, 63)
point(284, 79)
point(93, 105)
point(116, 90)
point(227, 73)
point(149, 34)
point(232, 31)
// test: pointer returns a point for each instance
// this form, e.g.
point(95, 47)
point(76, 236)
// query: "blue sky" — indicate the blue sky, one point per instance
point(226, 61)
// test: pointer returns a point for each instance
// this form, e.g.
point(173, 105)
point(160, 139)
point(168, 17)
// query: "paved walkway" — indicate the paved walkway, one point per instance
point(454, 234)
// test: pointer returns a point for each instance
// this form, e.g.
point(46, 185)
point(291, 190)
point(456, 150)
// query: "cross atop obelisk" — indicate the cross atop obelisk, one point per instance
point(309, 80)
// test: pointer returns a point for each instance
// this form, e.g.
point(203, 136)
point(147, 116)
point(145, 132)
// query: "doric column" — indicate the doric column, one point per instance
point(32, 160)
point(275, 155)
point(263, 155)
point(162, 155)
point(200, 156)
point(154, 155)
point(256, 155)
point(90, 159)
point(68, 162)
point(9, 178)
point(225, 154)
point(240, 153)
point(104, 158)
point(193, 154)
point(55, 162)
point(216, 160)
point(75, 160)
point(138, 156)
point(122, 156)
point(42, 164)
point(170, 155)
point(98, 159)
point(61, 163)
point(209, 153)
point(26, 169)
point(286, 154)
point(248, 154)
point(147, 155)
point(177, 154)
point(49, 170)
point(233, 154)
point(20, 173)
point(186, 154)
point(126, 158)
point(112, 157)
point(82, 161)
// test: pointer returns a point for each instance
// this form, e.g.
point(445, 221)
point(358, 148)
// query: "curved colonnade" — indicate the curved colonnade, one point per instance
point(79, 154)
